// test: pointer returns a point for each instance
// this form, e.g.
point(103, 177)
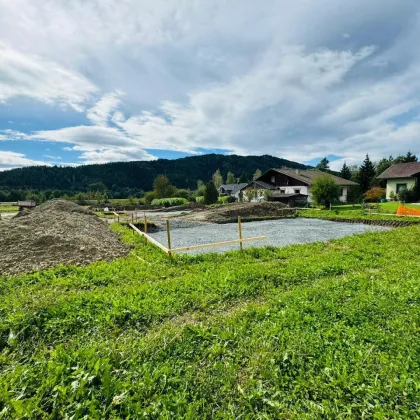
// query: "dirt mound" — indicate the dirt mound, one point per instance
point(248, 212)
point(56, 232)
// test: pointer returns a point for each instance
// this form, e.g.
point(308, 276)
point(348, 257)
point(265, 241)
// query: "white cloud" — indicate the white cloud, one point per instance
point(10, 160)
point(27, 75)
point(100, 113)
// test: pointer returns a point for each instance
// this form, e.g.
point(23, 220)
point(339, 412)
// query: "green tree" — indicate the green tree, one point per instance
point(217, 179)
point(345, 172)
point(323, 165)
point(210, 194)
point(409, 157)
point(325, 191)
point(367, 173)
point(230, 178)
point(243, 179)
point(162, 188)
point(257, 174)
point(97, 187)
point(81, 198)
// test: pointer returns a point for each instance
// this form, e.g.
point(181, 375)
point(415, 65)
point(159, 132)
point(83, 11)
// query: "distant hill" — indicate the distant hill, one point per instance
point(184, 172)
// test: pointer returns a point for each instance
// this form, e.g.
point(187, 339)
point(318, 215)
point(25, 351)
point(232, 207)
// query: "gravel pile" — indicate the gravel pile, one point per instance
point(56, 232)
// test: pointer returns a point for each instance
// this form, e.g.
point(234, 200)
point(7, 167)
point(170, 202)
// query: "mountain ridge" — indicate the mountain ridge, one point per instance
point(183, 172)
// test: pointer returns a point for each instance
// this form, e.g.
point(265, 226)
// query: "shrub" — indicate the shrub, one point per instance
point(226, 199)
point(325, 191)
point(210, 194)
point(375, 194)
point(407, 195)
point(169, 202)
point(149, 197)
point(199, 199)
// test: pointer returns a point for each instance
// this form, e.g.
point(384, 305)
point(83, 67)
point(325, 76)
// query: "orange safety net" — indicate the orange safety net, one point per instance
point(406, 211)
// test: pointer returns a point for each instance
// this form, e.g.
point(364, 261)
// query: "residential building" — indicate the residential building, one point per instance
point(231, 190)
point(399, 177)
point(291, 186)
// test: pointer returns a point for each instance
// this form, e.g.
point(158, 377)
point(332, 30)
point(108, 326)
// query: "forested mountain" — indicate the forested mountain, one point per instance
point(139, 175)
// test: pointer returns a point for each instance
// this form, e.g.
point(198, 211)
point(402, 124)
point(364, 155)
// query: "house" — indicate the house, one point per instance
point(399, 177)
point(27, 204)
point(231, 190)
point(291, 186)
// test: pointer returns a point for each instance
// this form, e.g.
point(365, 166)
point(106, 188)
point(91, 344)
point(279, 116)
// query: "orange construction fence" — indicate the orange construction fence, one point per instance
point(406, 211)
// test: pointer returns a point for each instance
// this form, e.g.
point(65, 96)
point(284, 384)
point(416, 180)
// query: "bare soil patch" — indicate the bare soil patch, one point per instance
point(248, 212)
point(56, 232)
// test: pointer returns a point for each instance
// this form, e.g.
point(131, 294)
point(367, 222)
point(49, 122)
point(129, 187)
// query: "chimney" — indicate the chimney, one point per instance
point(297, 171)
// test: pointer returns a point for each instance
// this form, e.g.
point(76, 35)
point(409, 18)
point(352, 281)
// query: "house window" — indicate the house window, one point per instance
point(401, 187)
point(297, 191)
point(341, 192)
point(273, 179)
point(282, 191)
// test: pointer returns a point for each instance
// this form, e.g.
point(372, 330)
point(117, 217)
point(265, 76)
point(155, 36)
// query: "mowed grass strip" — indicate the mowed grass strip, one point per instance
point(327, 330)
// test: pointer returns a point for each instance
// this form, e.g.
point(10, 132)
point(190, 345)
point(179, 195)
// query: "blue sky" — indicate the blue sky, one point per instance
point(106, 80)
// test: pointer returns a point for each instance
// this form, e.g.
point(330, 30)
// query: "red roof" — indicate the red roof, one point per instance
point(401, 170)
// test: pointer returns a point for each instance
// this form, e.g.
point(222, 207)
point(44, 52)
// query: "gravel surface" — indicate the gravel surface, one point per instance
point(278, 232)
point(56, 232)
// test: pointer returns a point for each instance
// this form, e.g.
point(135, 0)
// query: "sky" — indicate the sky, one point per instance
point(93, 81)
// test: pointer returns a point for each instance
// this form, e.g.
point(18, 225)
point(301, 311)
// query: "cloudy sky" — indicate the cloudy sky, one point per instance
point(89, 81)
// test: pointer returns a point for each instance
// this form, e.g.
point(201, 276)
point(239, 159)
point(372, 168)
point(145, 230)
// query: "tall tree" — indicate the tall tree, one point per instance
point(210, 194)
point(217, 179)
point(323, 165)
point(325, 190)
point(366, 174)
point(257, 174)
point(345, 172)
point(409, 157)
point(230, 178)
point(243, 179)
point(162, 188)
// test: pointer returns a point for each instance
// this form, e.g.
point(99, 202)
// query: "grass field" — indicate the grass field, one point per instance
point(8, 209)
point(327, 330)
point(350, 211)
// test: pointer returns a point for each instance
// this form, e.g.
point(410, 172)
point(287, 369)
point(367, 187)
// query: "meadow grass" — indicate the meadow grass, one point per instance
point(325, 330)
point(8, 209)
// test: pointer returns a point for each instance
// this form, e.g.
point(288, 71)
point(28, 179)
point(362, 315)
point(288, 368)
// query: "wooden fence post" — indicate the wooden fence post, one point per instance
point(240, 232)
point(145, 223)
point(168, 231)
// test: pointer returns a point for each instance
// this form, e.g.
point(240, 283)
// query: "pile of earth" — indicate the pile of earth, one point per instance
point(57, 232)
point(248, 212)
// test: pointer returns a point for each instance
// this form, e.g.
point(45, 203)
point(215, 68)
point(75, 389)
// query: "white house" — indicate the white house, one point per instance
point(291, 185)
point(400, 176)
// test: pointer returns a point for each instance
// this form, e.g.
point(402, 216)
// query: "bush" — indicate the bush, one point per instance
point(375, 194)
point(407, 195)
point(226, 199)
point(149, 197)
point(210, 194)
point(169, 202)
point(199, 199)
point(325, 191)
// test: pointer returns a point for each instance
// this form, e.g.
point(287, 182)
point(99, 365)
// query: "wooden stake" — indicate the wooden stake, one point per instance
point(240, 232)
point(168, 231)
point(145, 223)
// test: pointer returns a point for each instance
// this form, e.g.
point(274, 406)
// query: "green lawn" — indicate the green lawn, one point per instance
point(321, 331)
point(8, 209)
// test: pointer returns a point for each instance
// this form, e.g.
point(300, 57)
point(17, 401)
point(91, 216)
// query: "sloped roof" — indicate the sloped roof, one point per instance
point(401, 170)
point(233, 188)
point(309, 176)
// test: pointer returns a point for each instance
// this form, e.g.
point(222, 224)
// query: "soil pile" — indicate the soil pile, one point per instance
point(248, 212)
point(56, 232)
